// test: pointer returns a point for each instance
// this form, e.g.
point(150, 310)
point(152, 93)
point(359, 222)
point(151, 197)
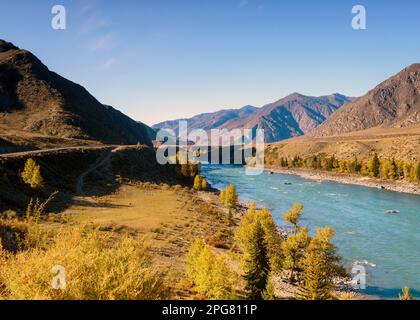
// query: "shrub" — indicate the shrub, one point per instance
point(406, 294)
point(210, 273)
point(200, 183)
point(97, 267)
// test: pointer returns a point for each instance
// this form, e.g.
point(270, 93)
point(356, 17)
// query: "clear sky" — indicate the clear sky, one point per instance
point(163, 59)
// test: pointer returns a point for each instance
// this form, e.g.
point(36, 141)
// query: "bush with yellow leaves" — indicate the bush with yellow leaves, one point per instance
point(97, 267)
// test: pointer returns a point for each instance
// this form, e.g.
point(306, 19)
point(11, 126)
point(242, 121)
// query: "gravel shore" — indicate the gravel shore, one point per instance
point(396, 186)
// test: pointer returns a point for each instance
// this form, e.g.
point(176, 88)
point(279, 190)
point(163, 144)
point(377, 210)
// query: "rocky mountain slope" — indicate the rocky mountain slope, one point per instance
point(35, 100)
point(289, 117)
point(395, 103)
point(208, 121)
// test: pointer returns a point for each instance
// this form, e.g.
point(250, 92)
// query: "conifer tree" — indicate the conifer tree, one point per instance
point(320, 267)
point(375, 166)
point(257, 265)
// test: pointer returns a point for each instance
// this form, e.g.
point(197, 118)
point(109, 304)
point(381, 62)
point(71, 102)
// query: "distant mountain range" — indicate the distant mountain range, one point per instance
point(395, 103)
point(292, 116)
point(34, 99)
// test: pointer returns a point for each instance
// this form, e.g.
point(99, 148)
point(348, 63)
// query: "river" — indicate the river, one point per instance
point(388, 245)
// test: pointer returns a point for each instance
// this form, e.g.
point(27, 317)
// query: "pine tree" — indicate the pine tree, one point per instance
point(375, 165)
point(415, 173)
point(320, 267)
point(392, 173)
point(257, 265)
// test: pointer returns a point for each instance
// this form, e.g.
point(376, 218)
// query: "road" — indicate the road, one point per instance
point(102, 160)
point(47, 151)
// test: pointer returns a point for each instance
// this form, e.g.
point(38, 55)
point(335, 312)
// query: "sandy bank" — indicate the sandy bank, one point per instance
point(396, 186)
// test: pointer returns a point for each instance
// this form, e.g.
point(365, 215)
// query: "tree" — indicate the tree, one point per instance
point(415, 173)
point(203, 184)
point(31, 174)
point(197, 183)
point(374, 165)
point(320, 267)
point(406, 294)
point(209, 272)
point(392, 173)
point(295, 244)
point(273, 240)
point(293, 249)
point(229, 197)
point(293, 216)
point(257, 267)
point(223, 196)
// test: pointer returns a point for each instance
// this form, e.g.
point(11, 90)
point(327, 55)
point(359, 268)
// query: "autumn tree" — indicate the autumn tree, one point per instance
point(31, 174)
point(374, 166)
point(209, 272)
point(272, 239)
point(229, 197)
point(257, 266)
point(406, 294)
point(320, 267)
point(203, 184)
point(294, 246)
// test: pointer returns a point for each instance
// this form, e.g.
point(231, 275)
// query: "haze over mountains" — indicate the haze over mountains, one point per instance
point(292, 116)
point(395, 103)
point(36, 100)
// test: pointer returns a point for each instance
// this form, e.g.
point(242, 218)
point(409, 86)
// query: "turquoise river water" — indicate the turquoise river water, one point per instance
point(388, 245)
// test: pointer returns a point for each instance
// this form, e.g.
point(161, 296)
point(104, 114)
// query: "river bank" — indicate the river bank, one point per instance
point(395, 186)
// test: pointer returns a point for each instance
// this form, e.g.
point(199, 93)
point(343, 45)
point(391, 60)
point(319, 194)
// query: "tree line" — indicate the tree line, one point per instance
point(375, 167)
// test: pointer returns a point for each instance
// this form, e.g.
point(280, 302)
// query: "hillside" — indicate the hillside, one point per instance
point(36, 101)
point(395, 103)
point(289, 117)
point(208, 121)
point(398, 143)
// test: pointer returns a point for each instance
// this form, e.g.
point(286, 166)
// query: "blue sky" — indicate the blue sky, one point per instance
point(163, 59)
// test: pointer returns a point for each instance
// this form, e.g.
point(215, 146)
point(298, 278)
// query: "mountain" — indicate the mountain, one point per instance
point(208, 121)
point(289, 117)
point(36, 100)
point(395, 103)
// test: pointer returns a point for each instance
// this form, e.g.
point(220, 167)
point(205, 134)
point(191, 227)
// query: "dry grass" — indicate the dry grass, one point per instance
point(169, 218)
point(97, 266)
point(402, 144)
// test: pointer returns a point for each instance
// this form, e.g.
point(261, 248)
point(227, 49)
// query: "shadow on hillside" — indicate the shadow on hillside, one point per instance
point(61, 171)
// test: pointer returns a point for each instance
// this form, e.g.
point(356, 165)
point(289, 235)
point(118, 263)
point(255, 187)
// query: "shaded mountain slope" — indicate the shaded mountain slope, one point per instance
point(37, 100)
